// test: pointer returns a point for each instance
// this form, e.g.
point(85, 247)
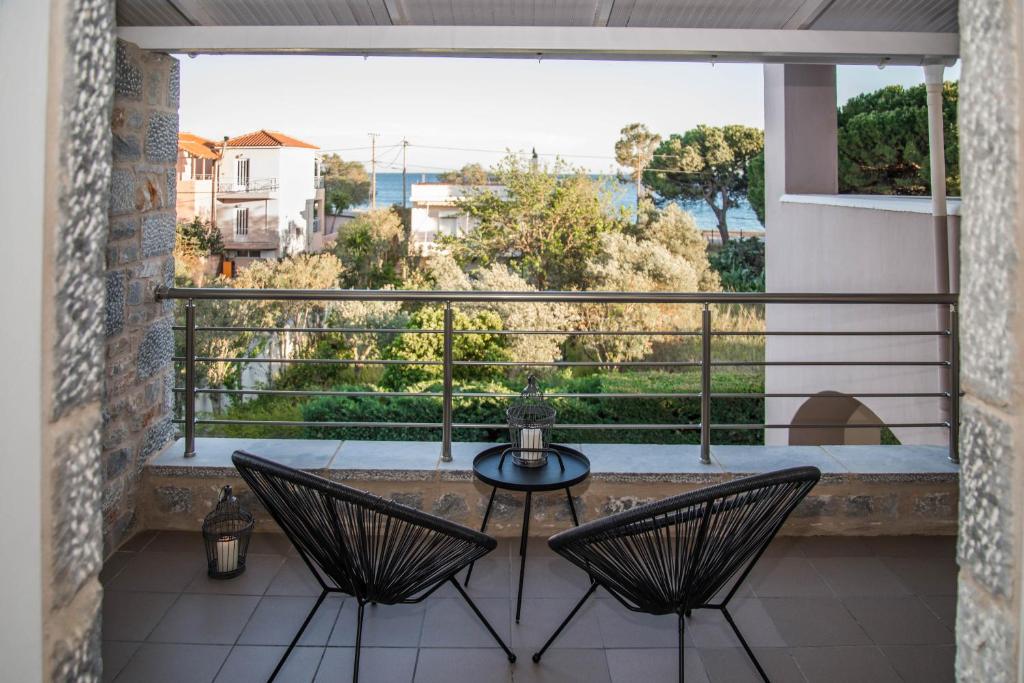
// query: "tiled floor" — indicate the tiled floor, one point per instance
point(817, 609)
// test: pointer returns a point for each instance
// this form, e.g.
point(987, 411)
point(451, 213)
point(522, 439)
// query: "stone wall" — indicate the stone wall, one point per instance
point(75, 234)
point(992, 328)
point(139, 339)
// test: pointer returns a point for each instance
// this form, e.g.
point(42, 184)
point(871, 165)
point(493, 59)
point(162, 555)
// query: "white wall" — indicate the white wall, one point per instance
point(24, 45)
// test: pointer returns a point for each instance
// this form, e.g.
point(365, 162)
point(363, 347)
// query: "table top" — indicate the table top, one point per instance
point(515, 478)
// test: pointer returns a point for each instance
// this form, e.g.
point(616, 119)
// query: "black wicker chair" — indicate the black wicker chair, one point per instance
point(373, 549)
point(678, 554)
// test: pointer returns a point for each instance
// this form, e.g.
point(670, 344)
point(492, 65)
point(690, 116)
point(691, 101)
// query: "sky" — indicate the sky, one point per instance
point(456, 110)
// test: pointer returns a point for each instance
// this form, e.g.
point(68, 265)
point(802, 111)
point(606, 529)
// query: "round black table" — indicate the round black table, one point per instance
point(566, 467)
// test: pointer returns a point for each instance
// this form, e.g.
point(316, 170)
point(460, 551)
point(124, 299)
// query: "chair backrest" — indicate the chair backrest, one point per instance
point(370, 547)
point(676, 554)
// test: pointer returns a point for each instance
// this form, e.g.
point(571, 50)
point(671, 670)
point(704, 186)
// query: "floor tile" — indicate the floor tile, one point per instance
point(549, 577)
point(376, 665)
point(913, 546)
point(277, 619)
point(138, 542)
point(260, 570)
point(490, 579)
point(923, 664)
point(210, 619)
point(926, 575)
point(783, 546)
point(113, 566)
point(158, 572)
point(251, 663)
point(541, 616)
point(859, 576)
point(174, 663)
point(133, 615)
point(383, 625)
point(733, 665)
point(269, 544)
point(942, 606)
point(834, 546)
point(562, 666)
point(449, 622)
point(662, 664)
point(784, 577)
point(898, 621)
point(844, 665)
point(116, 655)
point(294, 578)
point(442, 665)
point(814, 622)
point(622, 628)
point(178, 542)
point(709, 629)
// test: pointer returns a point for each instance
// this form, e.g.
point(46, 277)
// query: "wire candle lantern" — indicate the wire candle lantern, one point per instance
point(226, 532)
point(530, 419)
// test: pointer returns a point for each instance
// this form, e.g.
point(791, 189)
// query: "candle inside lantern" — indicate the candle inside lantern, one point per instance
point(532, 443)
point(227, 554)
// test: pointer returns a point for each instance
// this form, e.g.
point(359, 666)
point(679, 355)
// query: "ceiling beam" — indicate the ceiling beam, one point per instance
point(655, 44)
point(808, 13)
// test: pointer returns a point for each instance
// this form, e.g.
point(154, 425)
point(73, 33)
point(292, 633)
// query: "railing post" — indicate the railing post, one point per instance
point(705, 386)
point(954, 384)
point(446, 418)
point(190, 378)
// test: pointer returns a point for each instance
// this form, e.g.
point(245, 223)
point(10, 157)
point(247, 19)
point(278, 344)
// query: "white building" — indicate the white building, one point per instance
point(435, 211)
point(265, 190)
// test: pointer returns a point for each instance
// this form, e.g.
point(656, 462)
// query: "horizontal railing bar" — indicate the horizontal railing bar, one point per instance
point(575, 363)
point(311, 392)
point(487, 394)
point(577, 333)
point(937, 394)
point(308, 361)
point(827, 363)
point(225, 294)
point(812, 333)
point(396, 331)
point(836, 425)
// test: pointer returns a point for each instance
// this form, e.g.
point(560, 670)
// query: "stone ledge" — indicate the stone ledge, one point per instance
point(864, 490)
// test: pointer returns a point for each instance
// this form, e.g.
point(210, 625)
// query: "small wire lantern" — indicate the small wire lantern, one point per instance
point(226, 531)
point(530, 419)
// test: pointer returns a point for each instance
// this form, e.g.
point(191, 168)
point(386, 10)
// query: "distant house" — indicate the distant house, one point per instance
point(435, 212)
point(197, 159)
point(264, 190)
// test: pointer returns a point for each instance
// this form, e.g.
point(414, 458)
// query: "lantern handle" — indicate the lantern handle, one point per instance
point(532, 387)
point(225, 493)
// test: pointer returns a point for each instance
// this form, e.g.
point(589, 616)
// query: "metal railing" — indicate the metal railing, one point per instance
point(947, 360)
point(252, 185)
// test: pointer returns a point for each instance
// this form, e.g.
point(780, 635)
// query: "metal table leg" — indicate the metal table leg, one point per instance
point(483, 528)
point(572, 508)
point(522, 552)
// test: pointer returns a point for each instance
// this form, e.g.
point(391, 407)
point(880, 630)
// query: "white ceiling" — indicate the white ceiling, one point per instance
point(928, 16)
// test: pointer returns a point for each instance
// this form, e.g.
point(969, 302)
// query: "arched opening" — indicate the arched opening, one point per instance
point(841, 411)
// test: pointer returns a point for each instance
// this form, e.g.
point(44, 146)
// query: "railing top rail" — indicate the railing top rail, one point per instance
point(227, 294)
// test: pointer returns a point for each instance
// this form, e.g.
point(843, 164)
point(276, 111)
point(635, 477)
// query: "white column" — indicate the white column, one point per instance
point(937, 162)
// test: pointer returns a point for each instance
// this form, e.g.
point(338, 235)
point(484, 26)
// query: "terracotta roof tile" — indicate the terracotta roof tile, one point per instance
point(268, 138)
point(198, 146)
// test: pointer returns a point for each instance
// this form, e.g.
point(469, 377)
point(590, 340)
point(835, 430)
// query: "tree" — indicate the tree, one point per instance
point(635, 150)
point(740, 264)
point(469, 174)
point(883, 141)
point(676, 230)
point(370, 248)
point(755, 188)
point(706, 163)
point(544, 226)
point(627, 264)
point(346, 183)
point(195, 242)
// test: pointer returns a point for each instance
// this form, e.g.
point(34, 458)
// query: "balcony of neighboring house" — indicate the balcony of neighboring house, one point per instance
point(246, 188)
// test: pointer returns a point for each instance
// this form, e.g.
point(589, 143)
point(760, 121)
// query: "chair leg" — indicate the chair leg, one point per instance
point(359, 642)
point(298, 635)
point(565, 622)
point(743, 642)
point(480, 615)
point(682, 634)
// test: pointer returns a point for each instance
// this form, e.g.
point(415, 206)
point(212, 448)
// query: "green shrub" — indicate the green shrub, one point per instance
point(740, 264)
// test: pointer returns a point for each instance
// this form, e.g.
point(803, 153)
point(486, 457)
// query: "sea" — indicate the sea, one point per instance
point(742, 219)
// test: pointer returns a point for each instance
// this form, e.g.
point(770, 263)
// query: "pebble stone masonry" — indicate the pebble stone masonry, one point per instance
point(139, 338)
point(989, 548)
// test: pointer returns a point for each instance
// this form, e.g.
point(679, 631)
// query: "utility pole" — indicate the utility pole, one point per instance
point(373, 169)
point(405, 148)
